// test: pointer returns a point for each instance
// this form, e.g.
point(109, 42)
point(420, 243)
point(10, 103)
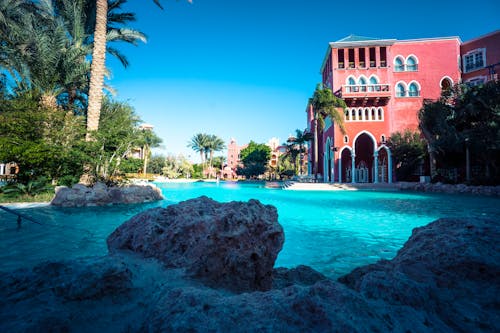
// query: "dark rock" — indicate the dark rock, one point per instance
point(301, 275)
point(449, 269)
point(231, 245)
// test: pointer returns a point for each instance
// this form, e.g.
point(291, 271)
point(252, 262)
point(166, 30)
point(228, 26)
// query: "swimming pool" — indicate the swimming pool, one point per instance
point(333, 232)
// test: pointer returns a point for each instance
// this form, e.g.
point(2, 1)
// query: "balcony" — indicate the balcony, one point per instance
point(363, 93)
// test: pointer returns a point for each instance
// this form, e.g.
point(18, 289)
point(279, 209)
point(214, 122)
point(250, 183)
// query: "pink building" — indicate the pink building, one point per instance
point(233, 159)
point(384, 83)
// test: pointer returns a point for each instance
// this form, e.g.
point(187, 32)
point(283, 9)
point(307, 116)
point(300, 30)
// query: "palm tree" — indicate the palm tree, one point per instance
point(325, 104)
point(149, 140)
point(48, 48)
point(98, 65)
point(292, 151)
point(214, 144)
point(300, 139)
point(199, 143)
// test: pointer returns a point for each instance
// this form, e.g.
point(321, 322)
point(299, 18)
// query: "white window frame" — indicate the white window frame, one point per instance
point(474, 65)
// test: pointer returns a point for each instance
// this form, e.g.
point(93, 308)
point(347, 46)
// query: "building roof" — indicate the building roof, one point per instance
point(355, 38)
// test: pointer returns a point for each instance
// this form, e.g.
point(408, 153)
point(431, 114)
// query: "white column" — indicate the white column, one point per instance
point(375, 162)
point(353, 167)
point(389, 167)
point(333, 167)
point(2, 169)
point(340, 168)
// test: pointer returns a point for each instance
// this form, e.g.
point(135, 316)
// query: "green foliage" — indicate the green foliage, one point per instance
point(255, 158)
point(206, 145)
point(197, 171)
point(176, 167)
point(43, 142)
point(31, 188)
point(130, 165)
point(326, 104)
point(156, 164)
point(466, 118)
point(46, 45)
point(408, 152)
point(118, 134)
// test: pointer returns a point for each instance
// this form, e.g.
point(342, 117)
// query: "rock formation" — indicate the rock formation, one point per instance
point(101, 195)
point(449, 269)
point(231, 245)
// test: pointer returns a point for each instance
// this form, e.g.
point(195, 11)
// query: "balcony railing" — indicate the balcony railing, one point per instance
point(369, 88)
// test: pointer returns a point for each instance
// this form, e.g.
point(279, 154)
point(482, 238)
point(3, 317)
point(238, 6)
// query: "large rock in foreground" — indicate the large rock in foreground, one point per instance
point(231, 245)
point(101, 195)
point(449, 269)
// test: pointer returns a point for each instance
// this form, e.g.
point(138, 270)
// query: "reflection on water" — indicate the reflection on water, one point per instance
point(333, 232)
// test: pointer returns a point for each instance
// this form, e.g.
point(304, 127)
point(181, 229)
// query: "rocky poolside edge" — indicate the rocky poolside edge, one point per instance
point(205, 266)
point(100, 194)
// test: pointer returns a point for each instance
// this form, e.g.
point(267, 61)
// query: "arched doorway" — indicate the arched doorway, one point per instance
point(364, 147)
point(384, 164)
point(345, 163)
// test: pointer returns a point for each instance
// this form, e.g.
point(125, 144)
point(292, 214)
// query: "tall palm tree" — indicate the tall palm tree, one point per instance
point(292, 152)
point(199, 143)
point(325, 104)
point(47, 49)
point(98, 65)
point(300, 139)
point(214, 144)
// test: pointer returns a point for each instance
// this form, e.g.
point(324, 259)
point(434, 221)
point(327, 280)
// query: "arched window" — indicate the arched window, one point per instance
point(380, 114)
point(373, 114)
point(446, 83)
point(382, 138)
point(347, 115)
point(353, 114)
point(360, 114)
point(373, 84)
point(399, 65)
point(411, 64)
point(351, 85)
point(367, 114)
point(413, 90)
point(346, 139)
point(400, 90)
point(362, 83)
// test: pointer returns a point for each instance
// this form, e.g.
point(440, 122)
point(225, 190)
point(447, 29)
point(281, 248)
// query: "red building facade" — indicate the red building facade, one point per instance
point(384, 83)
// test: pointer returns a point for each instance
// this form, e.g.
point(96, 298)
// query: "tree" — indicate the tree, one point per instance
point(176, 166)
point(44, 142)
point(300, 139)
point(325, 104)
point(199, 143)
point(118, 134)
point(148, 140)
point(255, 158)
point(214, 144)
point(49, 49)
point(98, 65)
point(464, 120)
point(408, 152)
point(156, 164)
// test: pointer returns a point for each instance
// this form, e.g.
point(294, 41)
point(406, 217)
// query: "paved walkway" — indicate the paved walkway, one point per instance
point(296, 186)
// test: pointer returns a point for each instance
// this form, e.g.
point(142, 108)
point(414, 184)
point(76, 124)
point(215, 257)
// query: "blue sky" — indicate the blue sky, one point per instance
point(245, 68)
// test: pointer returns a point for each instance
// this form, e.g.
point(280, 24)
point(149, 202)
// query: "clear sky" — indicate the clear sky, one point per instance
point(245, 69)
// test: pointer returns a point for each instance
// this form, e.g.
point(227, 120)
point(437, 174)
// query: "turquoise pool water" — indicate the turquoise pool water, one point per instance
point(333, 232)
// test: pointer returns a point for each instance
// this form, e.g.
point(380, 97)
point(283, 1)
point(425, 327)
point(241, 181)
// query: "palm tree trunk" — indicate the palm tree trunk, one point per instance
point(97, 68)
point(145, 152)
point(315, 164)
